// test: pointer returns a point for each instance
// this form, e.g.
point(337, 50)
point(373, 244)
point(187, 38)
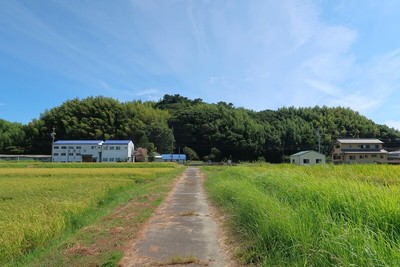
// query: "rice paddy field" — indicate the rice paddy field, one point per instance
point(287, 215)
point(39, 203)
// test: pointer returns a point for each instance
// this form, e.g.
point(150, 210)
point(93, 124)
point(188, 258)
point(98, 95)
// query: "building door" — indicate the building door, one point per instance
point(87, 158)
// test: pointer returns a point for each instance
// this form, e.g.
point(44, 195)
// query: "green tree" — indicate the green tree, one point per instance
point(12, 137)
point(190, 153)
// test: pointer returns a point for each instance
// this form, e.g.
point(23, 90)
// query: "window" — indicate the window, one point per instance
point(63, 147)
point(361, 156)
point(376, 146)
point(112, 159)
point(366, 156)
point(78, 154)
point(70, 154)
point(293, 161)
point(318, 161)
point(105, 147)
point(336, 157)
point(306, 161)
point(367, 146)
point(55, 147)
point(78, 147)
point(337, 146)
point(373, 156)
point(63, 154)
point(118, 148)
point(55, 154)
point(71, 147)
point(111, 148)
point(105, 160)
point(352, 157)
point(93, 147)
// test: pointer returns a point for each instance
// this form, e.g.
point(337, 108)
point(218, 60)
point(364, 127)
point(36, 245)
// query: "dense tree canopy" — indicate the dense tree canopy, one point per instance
point(104, 118)
point(12, 137)
point(176, 122)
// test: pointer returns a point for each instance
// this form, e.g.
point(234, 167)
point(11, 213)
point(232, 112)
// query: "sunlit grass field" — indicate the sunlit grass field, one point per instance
point(287, 215)
point(40, 202)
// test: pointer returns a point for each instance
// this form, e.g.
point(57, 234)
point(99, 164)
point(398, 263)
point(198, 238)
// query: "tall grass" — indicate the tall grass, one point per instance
point(38, 205)
point(327, 215)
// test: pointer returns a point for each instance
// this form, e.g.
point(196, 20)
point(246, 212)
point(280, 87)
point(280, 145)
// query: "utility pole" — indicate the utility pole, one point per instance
point(53, 136)
point(319, 140)
point(172, 144)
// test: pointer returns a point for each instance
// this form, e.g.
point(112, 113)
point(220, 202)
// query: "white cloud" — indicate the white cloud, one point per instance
point(105, 85)
point(125, 94)
point(216, 80)
point(149, 94)
point(357, 101)
point(393, 124)
point(145, 92)
point(325, 87)
point(257, 54)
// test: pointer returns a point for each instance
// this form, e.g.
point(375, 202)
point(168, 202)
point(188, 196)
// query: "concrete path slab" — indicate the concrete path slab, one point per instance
point(182, 232)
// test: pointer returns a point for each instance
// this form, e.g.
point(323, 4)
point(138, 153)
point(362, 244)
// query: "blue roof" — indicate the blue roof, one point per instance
point(117, 142)
point(174, 156)
point(78, 142)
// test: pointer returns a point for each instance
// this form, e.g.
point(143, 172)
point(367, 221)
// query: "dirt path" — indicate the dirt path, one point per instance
point(182, 232)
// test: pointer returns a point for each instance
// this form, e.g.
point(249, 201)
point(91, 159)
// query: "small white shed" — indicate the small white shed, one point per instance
point(308, 157)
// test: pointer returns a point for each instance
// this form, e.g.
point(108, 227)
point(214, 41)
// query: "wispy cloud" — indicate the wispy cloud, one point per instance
point(125, 94)
point(393, 124)
point(257, 54)
point(151, 94)
point(326, 88)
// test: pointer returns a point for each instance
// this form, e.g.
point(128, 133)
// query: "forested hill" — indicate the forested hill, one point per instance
point(212, 131)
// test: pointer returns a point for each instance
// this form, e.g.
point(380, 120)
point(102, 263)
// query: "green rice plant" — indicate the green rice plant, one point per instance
point(86, 165)
point(39, 205)
point(326, 215)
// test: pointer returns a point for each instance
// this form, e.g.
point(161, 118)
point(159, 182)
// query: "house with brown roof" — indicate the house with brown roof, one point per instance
point(367, 150)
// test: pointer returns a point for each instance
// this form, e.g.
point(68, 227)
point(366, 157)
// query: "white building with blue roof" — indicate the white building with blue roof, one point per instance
point(93, 151)
point(118, 151)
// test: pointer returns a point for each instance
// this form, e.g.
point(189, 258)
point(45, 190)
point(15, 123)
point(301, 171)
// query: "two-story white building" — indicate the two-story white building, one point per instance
point(118, 151)
point(77, 151)
point(93, 151)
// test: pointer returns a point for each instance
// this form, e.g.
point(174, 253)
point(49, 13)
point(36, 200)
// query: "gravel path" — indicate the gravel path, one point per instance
point(182, 232)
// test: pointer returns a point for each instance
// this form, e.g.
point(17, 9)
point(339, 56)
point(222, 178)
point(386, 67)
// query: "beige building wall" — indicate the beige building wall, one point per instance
point(307, 158)
point(359, 151)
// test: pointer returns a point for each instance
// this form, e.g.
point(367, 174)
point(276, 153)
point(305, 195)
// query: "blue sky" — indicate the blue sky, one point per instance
point(257, 54)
